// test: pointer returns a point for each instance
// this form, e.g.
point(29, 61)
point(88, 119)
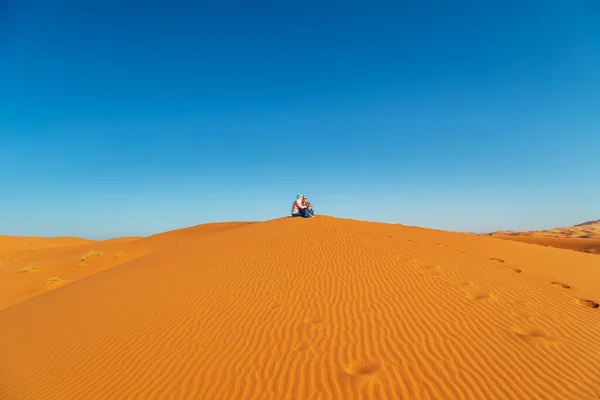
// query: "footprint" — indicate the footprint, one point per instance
point(562, 285)
point(515, 270)
point(530, 335)
point(310, 328)
point(309, 333)
point(497, 259)
point(363, 367)
point(477, 294)
point(430, 270)
point(588, 303)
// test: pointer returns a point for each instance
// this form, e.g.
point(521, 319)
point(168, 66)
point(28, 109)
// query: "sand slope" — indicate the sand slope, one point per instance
point(9, 244)
point(591, 246)
point(319, 308)
point(70, 259)
point(582, 237)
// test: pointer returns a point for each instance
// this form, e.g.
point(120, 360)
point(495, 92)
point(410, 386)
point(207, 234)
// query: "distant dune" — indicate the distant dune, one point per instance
point(71, 259)
point(595, 224)
point(583, 237)
point(298, 309)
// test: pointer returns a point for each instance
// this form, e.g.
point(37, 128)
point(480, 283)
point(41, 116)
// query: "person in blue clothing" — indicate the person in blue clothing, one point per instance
point(308, 205)
point(302, 208)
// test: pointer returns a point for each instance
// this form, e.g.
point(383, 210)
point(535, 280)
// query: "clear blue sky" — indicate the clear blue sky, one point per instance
point(131, 118)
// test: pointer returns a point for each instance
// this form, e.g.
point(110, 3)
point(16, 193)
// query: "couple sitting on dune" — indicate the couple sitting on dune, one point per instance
point(302, 208)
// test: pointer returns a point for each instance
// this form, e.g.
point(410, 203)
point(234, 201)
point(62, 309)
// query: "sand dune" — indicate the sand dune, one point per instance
point(310, 309)
point(583, 237)
point(12, 243)
point(591, 246)
point(27, 264)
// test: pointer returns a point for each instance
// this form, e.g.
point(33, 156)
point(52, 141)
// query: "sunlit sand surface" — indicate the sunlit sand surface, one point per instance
point(298, 309)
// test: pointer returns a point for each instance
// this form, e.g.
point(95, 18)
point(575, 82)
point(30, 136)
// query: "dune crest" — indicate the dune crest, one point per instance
point(26, 263)
point(583, 237)
point(318, 308)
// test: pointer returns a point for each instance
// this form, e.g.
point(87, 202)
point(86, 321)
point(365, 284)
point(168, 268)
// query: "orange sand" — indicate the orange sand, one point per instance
point(591, 246)
point(300, 309)
point(62, 258)
point(584, 237)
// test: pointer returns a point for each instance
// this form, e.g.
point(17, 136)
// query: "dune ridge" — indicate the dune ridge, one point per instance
point(72, 259)
point(584, 237)
point(594, 223)
point(318, 308)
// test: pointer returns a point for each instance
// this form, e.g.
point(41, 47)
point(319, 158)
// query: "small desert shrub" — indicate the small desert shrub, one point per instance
point(28, 268)
point(90, 254)
point(52, 280)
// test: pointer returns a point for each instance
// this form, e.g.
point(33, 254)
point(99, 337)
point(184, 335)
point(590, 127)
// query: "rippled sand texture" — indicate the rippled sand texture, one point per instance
point(306, 309)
